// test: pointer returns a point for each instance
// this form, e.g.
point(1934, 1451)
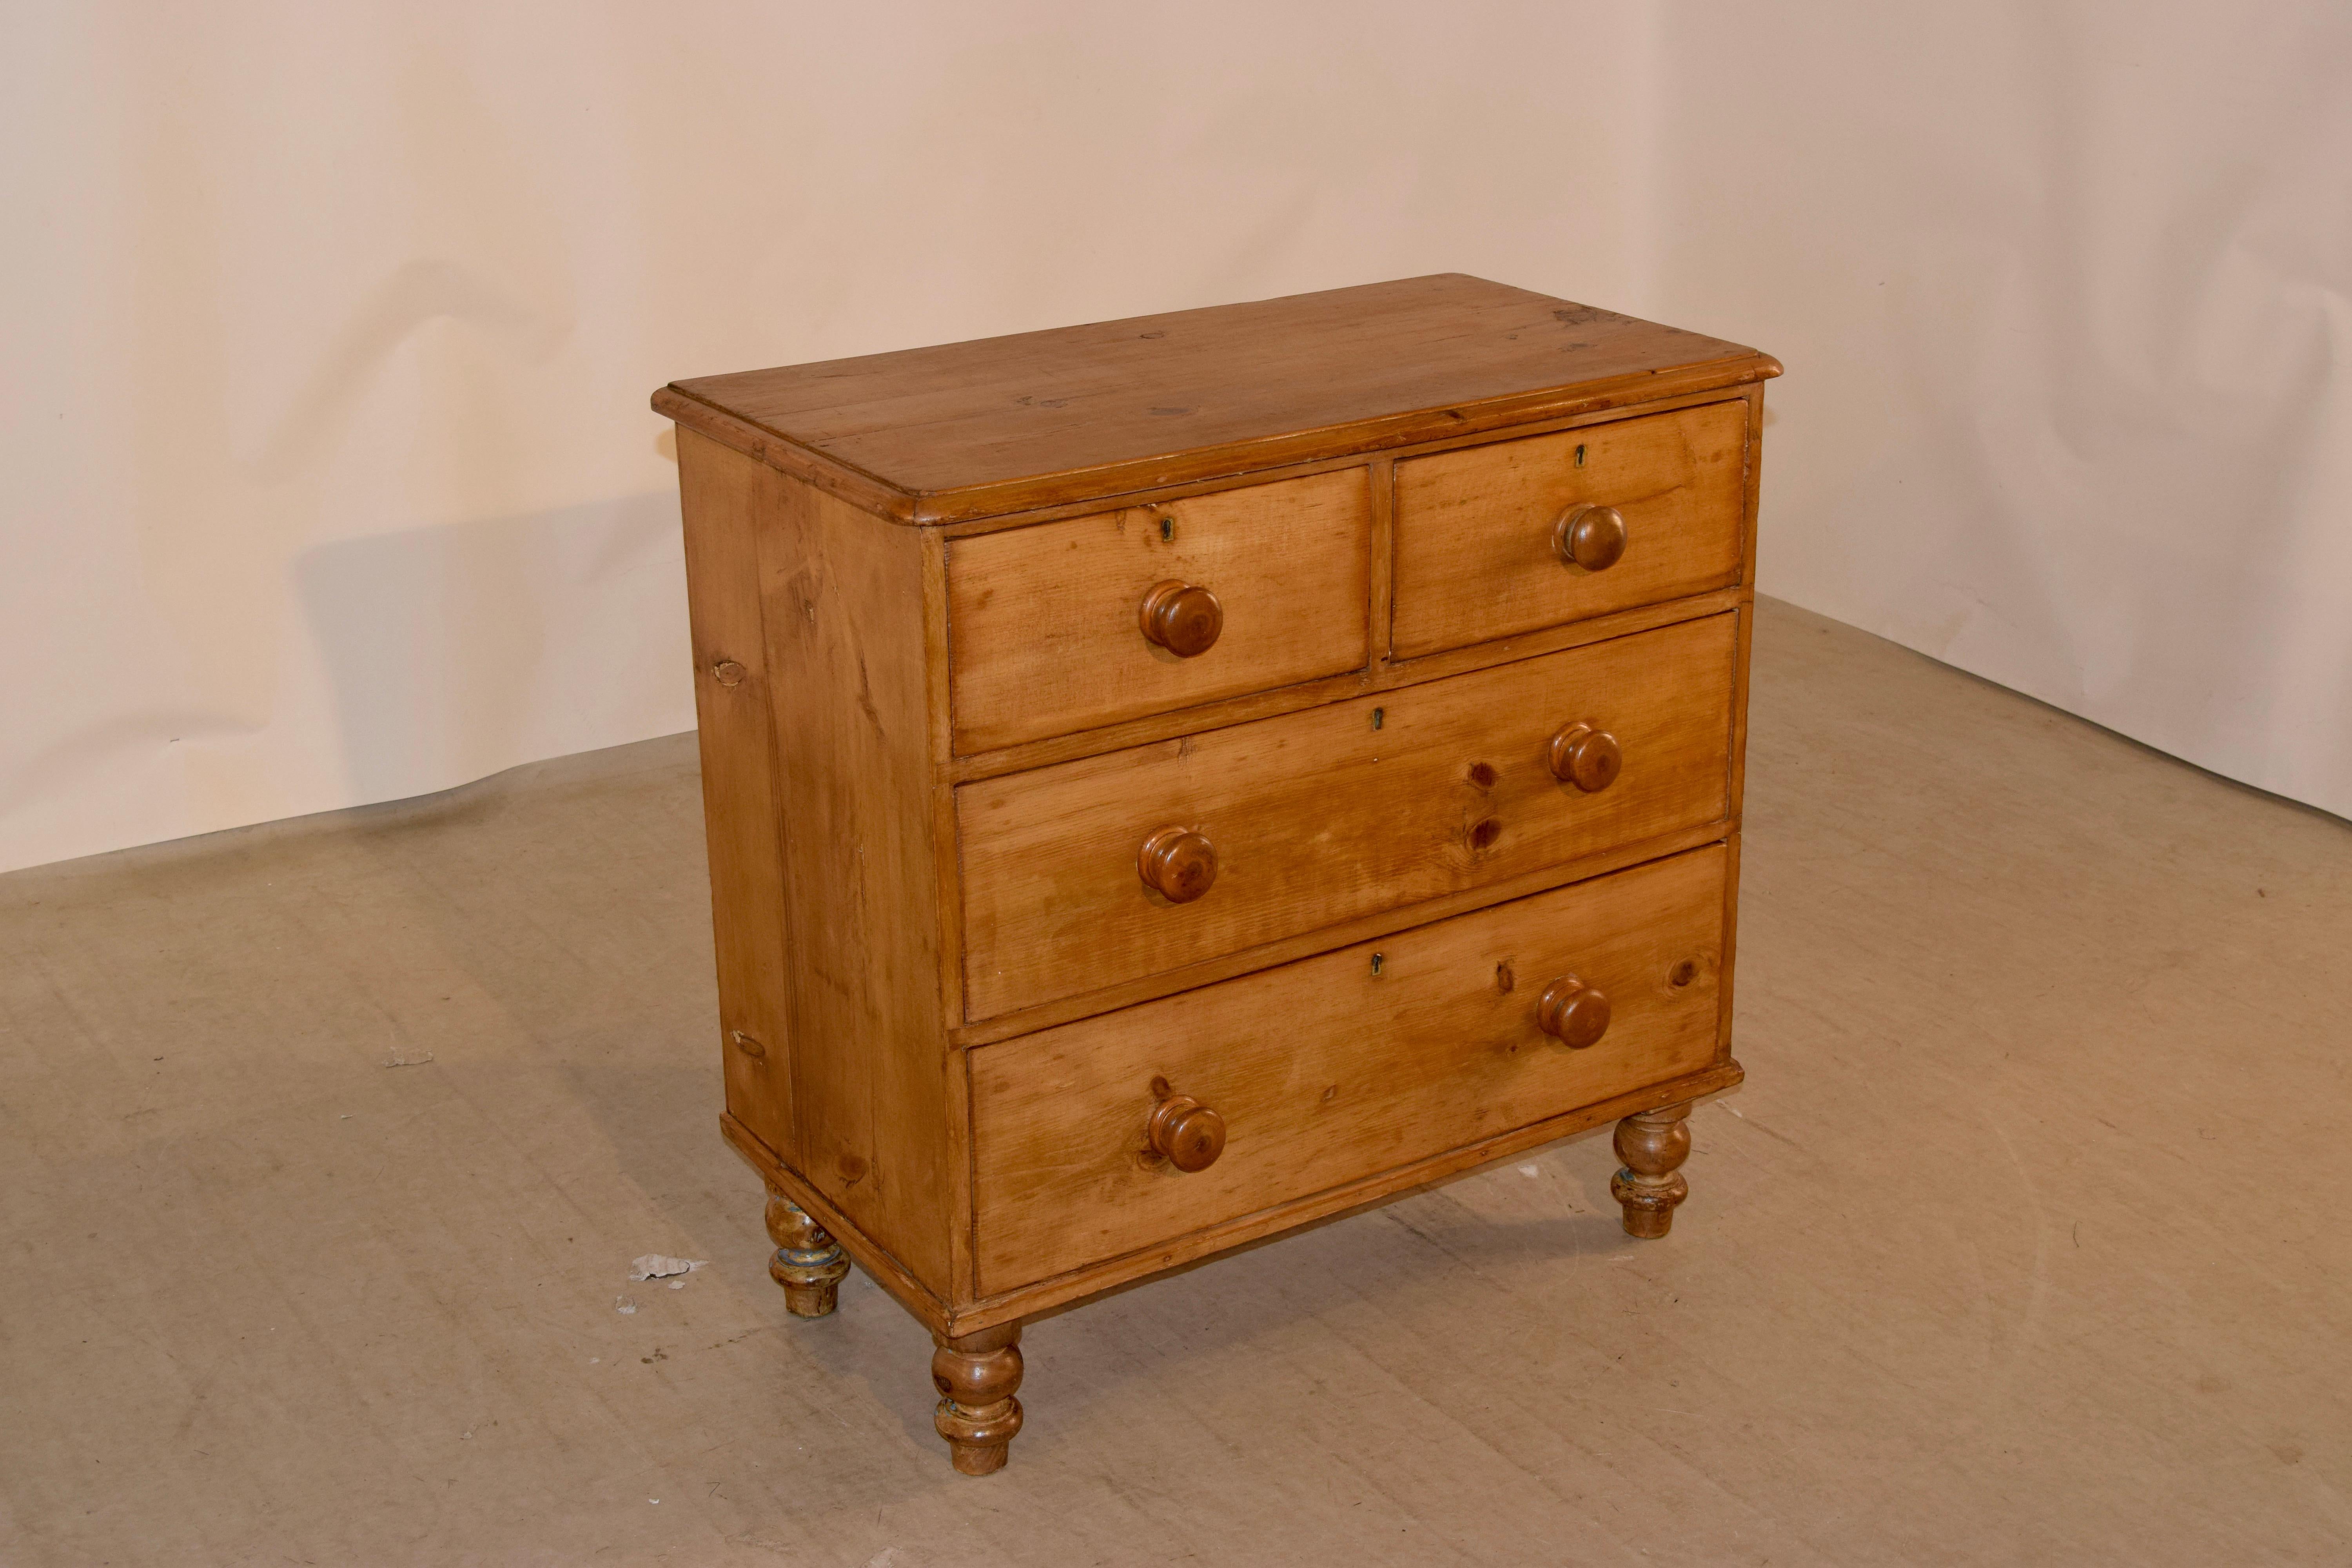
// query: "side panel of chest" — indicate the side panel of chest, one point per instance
point(816, 699)
point(725, 498)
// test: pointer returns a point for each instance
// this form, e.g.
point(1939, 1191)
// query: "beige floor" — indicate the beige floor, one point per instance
point(324, 1148)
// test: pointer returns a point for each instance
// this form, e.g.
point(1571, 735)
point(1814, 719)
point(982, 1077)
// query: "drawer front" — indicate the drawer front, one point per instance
point(1046, 624)
point(1321, 817)
point(1476, 555)
point(1324, 1071)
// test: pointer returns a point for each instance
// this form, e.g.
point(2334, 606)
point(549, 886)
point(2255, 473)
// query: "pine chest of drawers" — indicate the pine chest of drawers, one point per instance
point(1172, 780)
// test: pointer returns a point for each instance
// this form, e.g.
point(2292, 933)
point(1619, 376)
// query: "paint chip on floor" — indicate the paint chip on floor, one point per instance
point(654, 1266)
point(624, 1305)
point(1530, 1170)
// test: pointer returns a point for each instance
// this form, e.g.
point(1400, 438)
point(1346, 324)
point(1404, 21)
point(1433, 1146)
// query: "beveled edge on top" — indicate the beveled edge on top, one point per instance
point(1223, 459)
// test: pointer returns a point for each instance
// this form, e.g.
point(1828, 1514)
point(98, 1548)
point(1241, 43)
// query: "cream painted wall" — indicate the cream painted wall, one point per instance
point(2066, 292)
point(330, 477)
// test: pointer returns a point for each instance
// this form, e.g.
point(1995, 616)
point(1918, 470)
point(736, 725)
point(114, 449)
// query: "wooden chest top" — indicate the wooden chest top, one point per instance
point(1040, 419)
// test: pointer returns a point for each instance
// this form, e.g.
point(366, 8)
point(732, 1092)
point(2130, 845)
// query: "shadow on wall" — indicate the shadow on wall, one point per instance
point(460, 650)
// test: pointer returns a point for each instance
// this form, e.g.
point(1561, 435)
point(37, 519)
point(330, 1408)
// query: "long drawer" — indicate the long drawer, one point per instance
point(1477, 530)
point(1318, 817)
point(1338, 1067)
point(1045, 622)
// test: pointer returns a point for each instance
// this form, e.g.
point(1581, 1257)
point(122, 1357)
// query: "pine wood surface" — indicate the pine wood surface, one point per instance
point(1266, 696)
point(1320, 816)
point(1650, 1185)
point(968, 1313)
point(1744, 656)
point(1588, 412)
point(1474, 555)
point(724, 496)
point(929, 1306)
point(1383, 675)
point(1327, 1070)
point(846, 614)
point(808, 1264)
point(1381, 922)
point(1042, 621)
point(976, 1376)
point(967, 429)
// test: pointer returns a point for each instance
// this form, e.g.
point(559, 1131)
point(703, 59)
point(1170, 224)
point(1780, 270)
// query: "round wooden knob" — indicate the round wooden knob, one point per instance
point(1188, 1133)
point(1183, 618)
point(1178, 864)
point(1576, 1013)
point(1592, 537)
point(1586, 757)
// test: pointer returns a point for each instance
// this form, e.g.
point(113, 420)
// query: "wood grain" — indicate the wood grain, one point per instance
point(1045, 636)
point(1750, 491)
point(976, 1378)
point(969, 429)
point(1061, 942)
point(1654, 397)
point(1321, 817)
point(1379, 922)
point(928, 1306)
point(1650, 1185)
point(1381, 676)
point(948, 872)
point(1474, 555)
point(1325, 1071)
point(725, 495)
point(967, 1315)
point(809, 1264)
point(843, 608)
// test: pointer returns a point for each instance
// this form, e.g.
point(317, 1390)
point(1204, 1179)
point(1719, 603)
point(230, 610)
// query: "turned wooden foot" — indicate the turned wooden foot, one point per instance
point(1653, 1144)
point(978, 1416)
point(808, 1264)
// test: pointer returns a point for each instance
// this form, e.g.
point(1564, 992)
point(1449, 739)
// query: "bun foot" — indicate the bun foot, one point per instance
point(809, 1264)
point(978, 1416)
point(1653, 1144)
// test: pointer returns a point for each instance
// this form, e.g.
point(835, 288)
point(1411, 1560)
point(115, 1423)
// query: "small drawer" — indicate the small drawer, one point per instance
point(1259, 587)
point(1264, 830)
point(1333, 1068)
point(1478, 552)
